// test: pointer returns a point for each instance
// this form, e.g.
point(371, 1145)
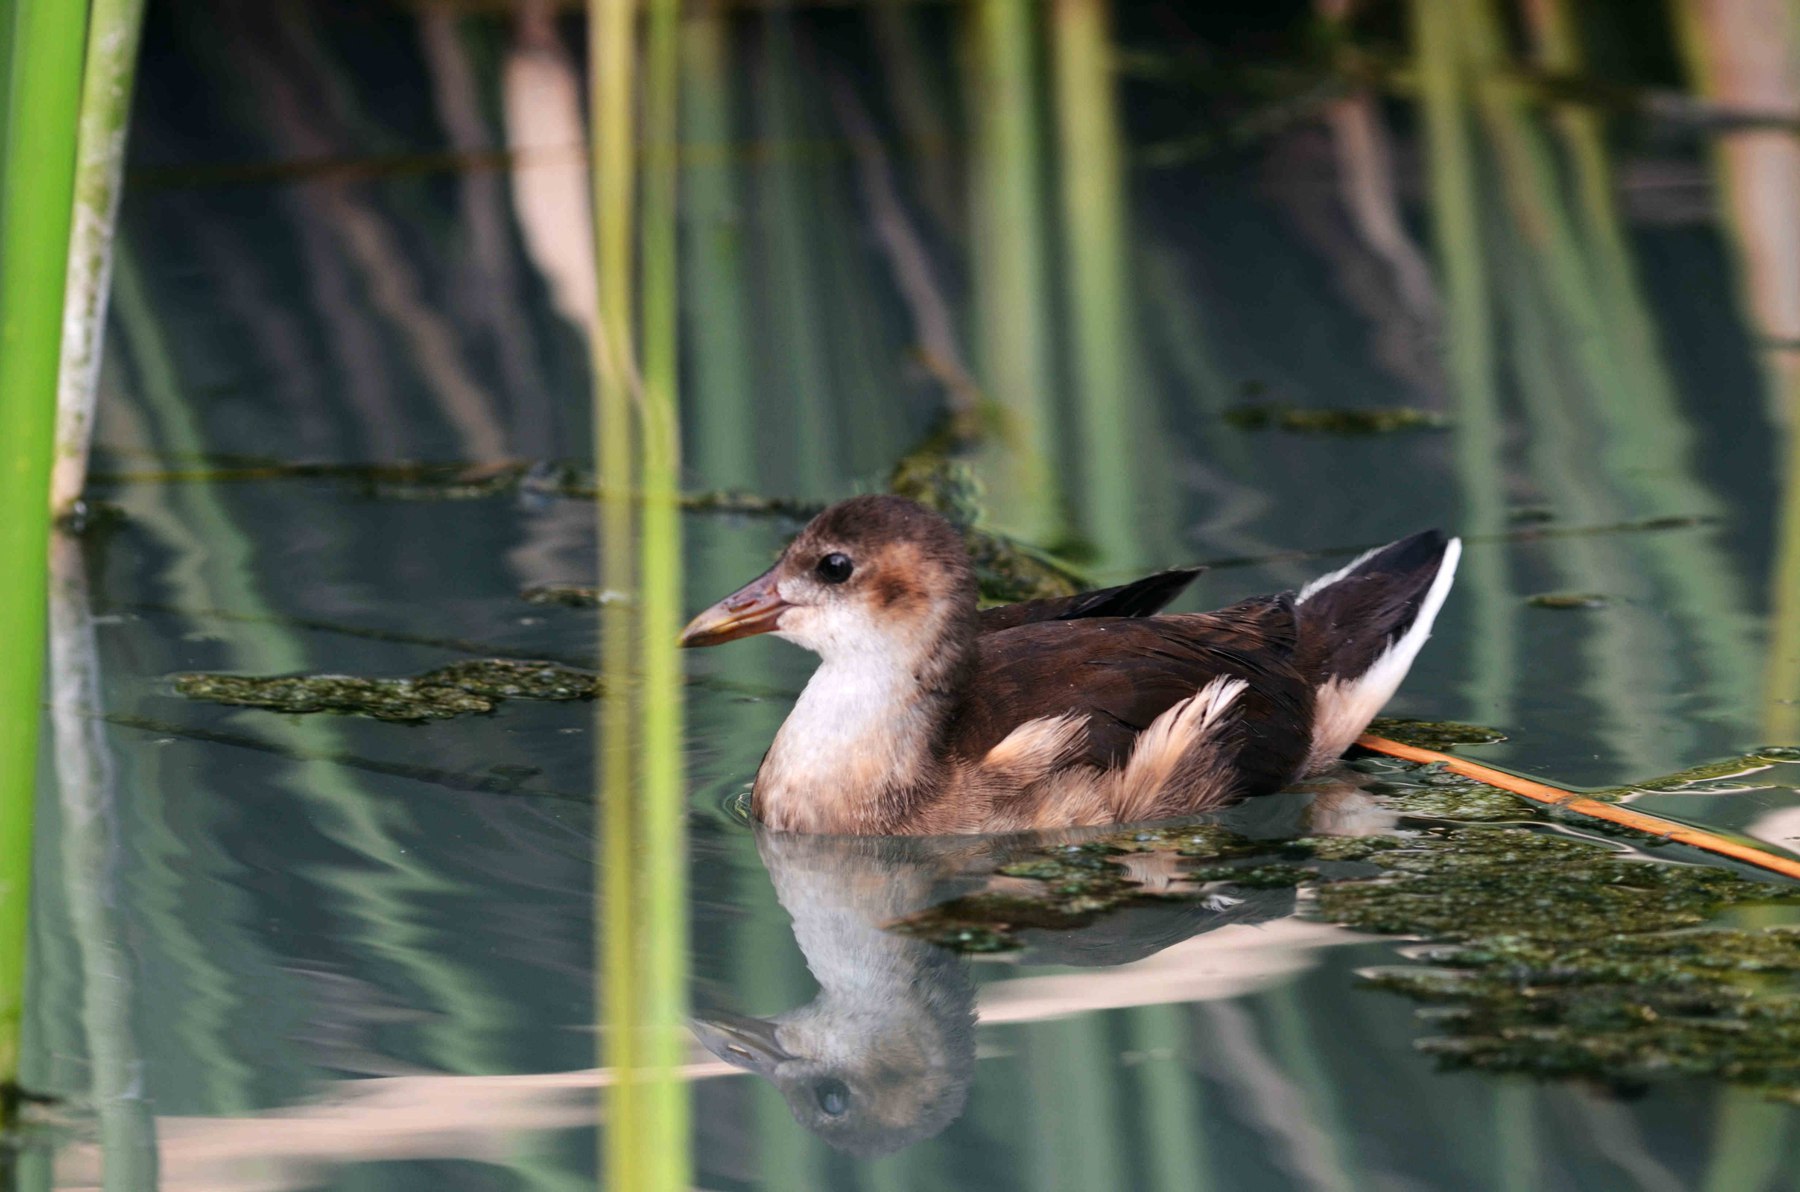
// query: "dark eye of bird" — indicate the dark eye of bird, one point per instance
point(835, 568)
point(833, 1096)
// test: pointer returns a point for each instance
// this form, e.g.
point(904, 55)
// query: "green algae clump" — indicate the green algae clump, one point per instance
point(1567, 601)
point(460, 689)
point(1384, 420)
point(1432, 790)
point(1566, 959)
point(1727, 773)
point(572, 595)
point(1441, 735)
point(1552, 955)
point(1081, 882)
point(1474, 883)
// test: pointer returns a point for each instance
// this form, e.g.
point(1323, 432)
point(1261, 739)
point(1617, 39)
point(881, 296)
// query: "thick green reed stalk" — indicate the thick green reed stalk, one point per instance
point(611, 27)
point(43, 76)
point(1109, 402)
point(114, 29)
point(661, 800)
point(643, 883)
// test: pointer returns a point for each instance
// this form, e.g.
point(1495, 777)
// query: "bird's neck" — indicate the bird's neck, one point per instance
point(860, 748)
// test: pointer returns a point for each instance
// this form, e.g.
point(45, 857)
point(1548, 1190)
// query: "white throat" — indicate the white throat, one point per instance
point(860, 727)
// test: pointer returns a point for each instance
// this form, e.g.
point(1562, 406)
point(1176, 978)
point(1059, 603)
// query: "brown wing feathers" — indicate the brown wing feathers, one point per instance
point(1121, 674)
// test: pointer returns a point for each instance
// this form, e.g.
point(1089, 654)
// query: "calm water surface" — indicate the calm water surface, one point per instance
point(306, 952)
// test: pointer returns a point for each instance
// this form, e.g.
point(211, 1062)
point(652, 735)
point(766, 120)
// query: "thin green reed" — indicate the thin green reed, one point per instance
point(662, 794)
point(1011, 278)
point(611, 29)
point(643, 913)
point(39, 137)
point(713, 257)
point(1457, 234)
point(115, 27)
point(1109, 400)
point(799, 347)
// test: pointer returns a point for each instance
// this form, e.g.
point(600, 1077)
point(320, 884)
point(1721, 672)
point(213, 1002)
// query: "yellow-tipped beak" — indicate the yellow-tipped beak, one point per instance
point(754, 608)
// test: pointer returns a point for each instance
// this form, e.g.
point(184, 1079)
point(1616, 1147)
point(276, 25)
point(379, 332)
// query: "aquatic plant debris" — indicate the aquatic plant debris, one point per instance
point(1433, 791)
point(1583, 808)
point(460, 689)
point(1568, 601)
point(1383, 420)
point(1435, 734)
point(1556, 956)
point(573, 595)
point(1726, 774)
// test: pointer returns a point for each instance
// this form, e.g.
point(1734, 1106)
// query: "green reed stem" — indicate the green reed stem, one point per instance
point(723, 420)
point(39, 139)
point(1461, 260)
point(661, 801)
point(1091, 167)
point(115, 27)
point(643, 912)
point(610, 57)
point(1010, 275)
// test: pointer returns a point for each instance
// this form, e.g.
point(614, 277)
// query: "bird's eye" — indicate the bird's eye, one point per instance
point(833, 1097)
point(835, 567)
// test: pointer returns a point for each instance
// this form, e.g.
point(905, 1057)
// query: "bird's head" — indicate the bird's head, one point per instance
point(868, 576)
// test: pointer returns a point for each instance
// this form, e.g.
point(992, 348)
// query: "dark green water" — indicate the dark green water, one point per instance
point(312, 952)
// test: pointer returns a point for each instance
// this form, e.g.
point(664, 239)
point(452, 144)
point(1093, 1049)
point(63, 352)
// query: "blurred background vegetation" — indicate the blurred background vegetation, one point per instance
point(1253, 285)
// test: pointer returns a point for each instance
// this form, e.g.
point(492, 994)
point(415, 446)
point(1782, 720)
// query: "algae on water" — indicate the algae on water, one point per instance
point(1441, 735)
point(1556, 956)
point(460, 689)
point(1432, 790)
point(1568, 601)
point(572, 595)
point(1300, 420)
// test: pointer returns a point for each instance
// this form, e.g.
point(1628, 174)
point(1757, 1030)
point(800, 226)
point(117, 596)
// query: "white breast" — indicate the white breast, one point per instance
point(856, 729)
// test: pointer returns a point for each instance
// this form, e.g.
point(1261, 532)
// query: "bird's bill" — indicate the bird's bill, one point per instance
point(740, 1040)
point(754, 608)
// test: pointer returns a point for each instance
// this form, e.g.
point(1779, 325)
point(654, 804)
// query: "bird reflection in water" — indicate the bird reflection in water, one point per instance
point(883, 1056)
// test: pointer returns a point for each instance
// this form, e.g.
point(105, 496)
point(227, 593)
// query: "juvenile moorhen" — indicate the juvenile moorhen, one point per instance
point(927, 717)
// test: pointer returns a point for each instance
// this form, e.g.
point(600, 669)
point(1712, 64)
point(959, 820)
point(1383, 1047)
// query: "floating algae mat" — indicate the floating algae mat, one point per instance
point(1441, 735)
point(1568, 601)
point(460, 689)
point(1083, 881)
point(1303, 421)
point(1555, 955)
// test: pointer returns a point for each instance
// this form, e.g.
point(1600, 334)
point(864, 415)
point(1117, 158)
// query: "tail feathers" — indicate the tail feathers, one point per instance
point(1360, 628)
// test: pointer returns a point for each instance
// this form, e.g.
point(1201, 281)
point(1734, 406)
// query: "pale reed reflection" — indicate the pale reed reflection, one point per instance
point(543, 102)
point(840, 895)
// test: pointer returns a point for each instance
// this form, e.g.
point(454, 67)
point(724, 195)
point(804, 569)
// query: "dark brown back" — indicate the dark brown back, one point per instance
point(1122, 673)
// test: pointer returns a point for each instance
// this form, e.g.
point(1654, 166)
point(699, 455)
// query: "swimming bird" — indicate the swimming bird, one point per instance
point(924, 719)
